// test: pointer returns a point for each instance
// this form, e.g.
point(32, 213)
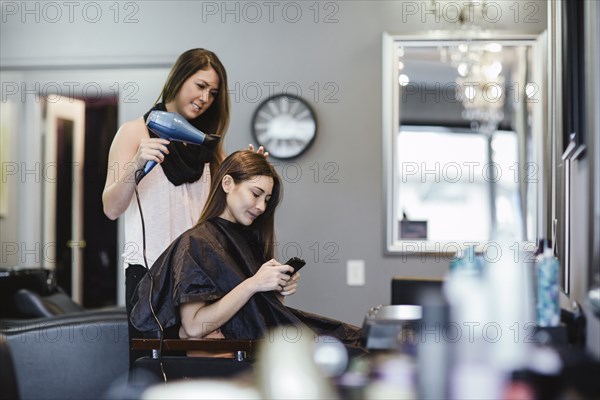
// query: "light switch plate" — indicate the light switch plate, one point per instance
point(355, 272)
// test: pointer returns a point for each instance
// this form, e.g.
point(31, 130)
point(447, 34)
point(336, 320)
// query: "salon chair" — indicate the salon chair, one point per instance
point(8, 380)
point(168, 358)
point(412, 291)
point(76, 355)
point(36, 280)
point(151, 357)
point(221, 358)
point(51, 346)
point(30, 304)
point(32, 293)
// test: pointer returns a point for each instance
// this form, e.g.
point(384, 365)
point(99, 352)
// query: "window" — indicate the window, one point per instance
point(459, 187)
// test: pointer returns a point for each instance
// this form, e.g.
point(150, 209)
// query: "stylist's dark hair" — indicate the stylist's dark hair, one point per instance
point(242, 166)
point(215, 120)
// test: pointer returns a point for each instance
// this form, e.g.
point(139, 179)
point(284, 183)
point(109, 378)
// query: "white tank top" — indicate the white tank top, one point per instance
point(168, 211)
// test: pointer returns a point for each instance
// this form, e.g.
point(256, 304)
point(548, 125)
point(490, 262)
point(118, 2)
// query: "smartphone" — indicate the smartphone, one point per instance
point(295, 263)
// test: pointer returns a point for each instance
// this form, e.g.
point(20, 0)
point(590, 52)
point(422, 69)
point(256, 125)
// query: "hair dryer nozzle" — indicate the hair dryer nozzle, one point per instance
point(211, 141)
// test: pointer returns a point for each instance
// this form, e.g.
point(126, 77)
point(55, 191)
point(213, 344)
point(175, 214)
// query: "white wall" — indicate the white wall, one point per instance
point(334, 58)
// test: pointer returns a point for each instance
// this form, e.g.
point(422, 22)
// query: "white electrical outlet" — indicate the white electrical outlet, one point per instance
point(355, 272)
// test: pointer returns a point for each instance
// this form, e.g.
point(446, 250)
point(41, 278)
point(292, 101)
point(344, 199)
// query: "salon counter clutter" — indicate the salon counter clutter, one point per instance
point(422, 352)
point(413, 354)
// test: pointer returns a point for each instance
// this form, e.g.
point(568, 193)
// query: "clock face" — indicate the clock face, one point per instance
point(285, 125)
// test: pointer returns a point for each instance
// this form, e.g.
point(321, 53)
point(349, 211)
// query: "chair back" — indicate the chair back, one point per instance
point(8, 381)
point(69, 356)
point(30, 304)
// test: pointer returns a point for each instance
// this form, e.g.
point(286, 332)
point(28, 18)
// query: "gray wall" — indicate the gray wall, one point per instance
point(339, 54)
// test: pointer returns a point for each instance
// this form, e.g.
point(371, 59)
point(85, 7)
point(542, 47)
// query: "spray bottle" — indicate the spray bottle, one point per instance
point(547, 304)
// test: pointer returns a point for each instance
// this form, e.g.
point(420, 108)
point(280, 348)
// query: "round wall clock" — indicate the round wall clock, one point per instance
point(285, 125)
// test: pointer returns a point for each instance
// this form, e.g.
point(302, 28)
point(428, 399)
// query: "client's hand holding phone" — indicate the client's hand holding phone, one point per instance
point(296, 263)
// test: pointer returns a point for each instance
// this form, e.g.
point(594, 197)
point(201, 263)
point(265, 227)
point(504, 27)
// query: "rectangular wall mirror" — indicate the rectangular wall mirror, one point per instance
point(463, 141)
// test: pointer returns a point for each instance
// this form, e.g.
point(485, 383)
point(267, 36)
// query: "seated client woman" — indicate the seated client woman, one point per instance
point(219, 278)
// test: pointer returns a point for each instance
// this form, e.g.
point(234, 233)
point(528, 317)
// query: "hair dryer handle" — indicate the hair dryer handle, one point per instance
point(147, 168)
point(149, 165)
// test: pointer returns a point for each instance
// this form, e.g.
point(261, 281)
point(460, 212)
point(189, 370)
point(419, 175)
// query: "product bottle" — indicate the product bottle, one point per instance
point(547, 306)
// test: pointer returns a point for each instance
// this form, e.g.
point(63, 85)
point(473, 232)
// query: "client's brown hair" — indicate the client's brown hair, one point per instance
point(242, 166)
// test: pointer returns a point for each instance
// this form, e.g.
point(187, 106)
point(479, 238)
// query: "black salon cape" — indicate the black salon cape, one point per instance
point(204, 264)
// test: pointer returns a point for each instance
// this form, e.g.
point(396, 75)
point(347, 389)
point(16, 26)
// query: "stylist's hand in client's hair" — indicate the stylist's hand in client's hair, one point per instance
point(271, 276)
point(261, 150)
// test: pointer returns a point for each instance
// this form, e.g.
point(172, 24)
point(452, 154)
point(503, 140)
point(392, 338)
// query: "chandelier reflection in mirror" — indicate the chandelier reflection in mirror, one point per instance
point(480, 80)
point(481, 84)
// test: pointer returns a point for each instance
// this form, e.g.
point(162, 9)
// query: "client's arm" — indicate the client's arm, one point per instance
point(200, 318)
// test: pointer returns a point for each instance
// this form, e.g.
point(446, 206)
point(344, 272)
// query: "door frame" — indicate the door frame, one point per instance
point(61, 107)
point(135, 86)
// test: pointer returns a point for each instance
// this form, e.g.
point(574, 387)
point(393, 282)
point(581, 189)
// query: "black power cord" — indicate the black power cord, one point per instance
point(139, 174)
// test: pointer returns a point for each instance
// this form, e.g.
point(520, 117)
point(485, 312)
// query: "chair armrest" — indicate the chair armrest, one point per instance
point(208, 345)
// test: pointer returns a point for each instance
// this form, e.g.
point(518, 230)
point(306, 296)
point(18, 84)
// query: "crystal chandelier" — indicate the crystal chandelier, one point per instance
point(480, 83)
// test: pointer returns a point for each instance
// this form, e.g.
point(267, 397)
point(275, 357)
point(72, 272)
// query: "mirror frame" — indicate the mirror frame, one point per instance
point(391, 121)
